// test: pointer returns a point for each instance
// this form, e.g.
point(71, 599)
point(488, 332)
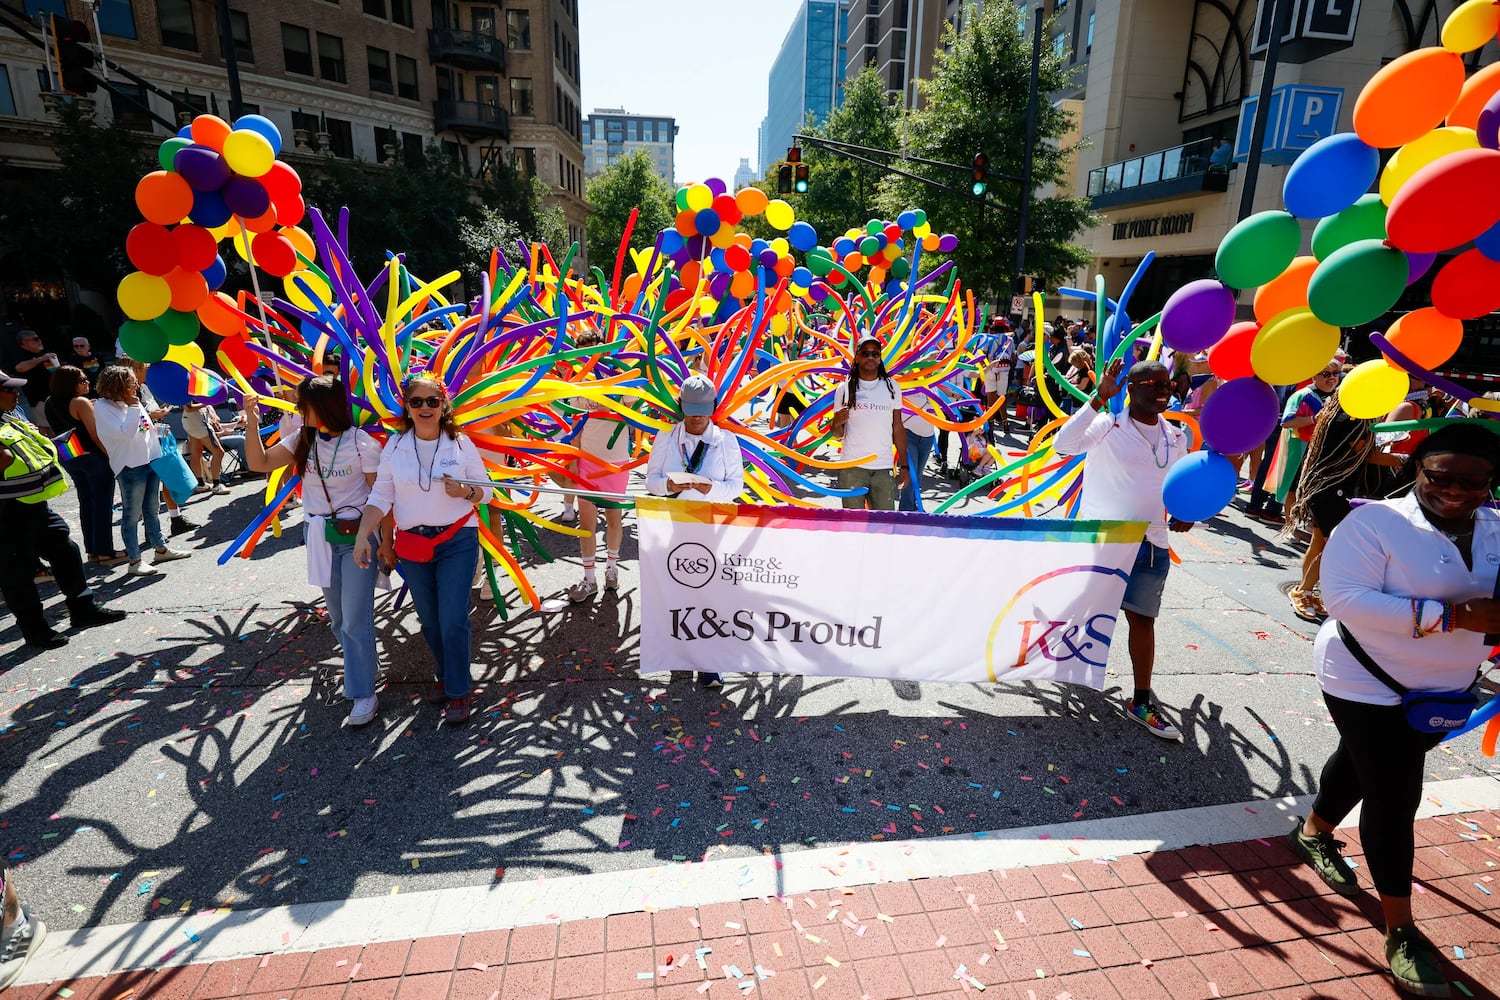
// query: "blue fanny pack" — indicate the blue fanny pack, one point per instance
point(1426, 711)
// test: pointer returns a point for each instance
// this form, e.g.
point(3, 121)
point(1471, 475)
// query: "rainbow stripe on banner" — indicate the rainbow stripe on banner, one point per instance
point(71, 448)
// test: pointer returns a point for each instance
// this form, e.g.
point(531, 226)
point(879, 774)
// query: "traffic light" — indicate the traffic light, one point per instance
point(784, 179)
point(74, 57)
point(981, 166)
point(801, 174)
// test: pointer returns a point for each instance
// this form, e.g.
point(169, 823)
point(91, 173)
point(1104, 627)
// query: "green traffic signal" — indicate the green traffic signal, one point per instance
point(802, 187)
point(979, 188)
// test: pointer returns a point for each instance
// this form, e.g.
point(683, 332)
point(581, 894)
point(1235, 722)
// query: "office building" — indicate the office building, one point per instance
point(744, 175)
point(898, 38)
point(807, 78)
point(610, 133)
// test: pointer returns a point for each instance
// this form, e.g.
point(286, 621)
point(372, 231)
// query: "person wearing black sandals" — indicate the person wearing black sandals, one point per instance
point(70, 412)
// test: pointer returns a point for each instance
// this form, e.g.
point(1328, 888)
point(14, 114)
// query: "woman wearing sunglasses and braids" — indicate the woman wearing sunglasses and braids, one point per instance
point(437, 533)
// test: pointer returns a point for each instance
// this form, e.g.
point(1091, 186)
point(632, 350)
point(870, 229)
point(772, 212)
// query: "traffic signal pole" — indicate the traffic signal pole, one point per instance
point(231, 62)
point(864, 154)
point(1023, 217)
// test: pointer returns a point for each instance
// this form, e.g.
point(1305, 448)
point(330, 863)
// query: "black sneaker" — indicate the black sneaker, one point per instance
point(93, 616)
point(180, 526)
point(46, 640)
point(1322, 855)
point(710, 682)
point(1414, 962)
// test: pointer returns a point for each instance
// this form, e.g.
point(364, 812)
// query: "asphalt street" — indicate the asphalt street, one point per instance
point(194, 756)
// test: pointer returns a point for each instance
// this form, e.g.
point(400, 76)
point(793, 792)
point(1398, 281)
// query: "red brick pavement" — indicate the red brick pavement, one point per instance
point(1240, 919)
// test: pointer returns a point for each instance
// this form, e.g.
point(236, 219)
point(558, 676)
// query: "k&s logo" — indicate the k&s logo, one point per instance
point(692, 565)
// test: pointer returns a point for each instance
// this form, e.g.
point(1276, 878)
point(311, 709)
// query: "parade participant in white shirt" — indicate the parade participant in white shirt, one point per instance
point(337, 463)
point(1128, 459)
point(697, 460)
point(437, 536)
point(867, 414)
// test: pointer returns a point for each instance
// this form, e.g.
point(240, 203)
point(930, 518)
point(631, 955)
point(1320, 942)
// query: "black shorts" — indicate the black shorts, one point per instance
point(790, 404)
point(1328, 509)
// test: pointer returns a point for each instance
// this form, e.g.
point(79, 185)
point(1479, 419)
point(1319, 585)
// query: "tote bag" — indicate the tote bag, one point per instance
point(173, 469)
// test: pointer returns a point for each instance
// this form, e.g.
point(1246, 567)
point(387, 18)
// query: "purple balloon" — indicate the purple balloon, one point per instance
point(1239, 416)
point(1488, 126)
point(718, 284)
point(768, 258)
point(947, 243)
point(818, 292)
point(717, 186)
point(246, 197)
point(1417, 265)
point(1197, 315)
point(201, 167)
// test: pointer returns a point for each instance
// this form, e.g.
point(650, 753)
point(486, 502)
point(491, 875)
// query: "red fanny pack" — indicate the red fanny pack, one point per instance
point(419, 548)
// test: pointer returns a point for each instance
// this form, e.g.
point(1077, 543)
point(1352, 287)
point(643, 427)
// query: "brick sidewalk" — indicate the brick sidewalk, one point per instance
point(1237, 919)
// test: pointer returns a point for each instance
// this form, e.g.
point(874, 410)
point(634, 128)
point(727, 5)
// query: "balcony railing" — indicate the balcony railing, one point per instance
point(466, 49)
point(471, 118)
point(1164, 173)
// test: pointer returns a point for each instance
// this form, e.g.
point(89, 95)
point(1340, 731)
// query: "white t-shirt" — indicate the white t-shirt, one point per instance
point(1126, 466)
point(598, 430)
point(127, 433)
point(410, 480)
point(910, 419)
point(343, 460)
point(868, 431)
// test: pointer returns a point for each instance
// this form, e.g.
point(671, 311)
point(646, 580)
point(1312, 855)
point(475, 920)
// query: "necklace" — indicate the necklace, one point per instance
point(1161, 462)
point(425, 487)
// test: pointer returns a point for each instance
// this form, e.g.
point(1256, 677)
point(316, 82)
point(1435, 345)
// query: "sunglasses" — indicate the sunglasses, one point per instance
point(417, 402)
point(873, 352)
point(1465, 484)
point(1328, 374)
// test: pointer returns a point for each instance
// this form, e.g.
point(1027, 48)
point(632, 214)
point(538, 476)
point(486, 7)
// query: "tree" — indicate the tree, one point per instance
point(630, 182)
point(842, 192)
point(976, 102)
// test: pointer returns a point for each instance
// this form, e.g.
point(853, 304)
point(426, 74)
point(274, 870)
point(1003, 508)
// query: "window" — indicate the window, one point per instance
point(518, 29)
point(116, 18)
point(1059, 44)
point(331, 58)
point(376, 8)
point(380, 69)
point(7, 99)
point(239, 26)
point(175, 18)
point(1088, 45)
point(385, 137)
point(633, 130)
point(296, 49)
point(588, 133)
point(197, 102)
point(406, 78)
point(306, 123)
point(413, 152)
point(520, 96)
point(127, 114)
point(401, 12)
point(340, 137)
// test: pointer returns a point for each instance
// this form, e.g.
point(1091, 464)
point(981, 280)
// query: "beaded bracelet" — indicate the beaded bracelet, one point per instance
point(1445, 622)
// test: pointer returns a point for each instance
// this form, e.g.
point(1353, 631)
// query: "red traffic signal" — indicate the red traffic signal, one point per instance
point(794, 154)
point(74, 57)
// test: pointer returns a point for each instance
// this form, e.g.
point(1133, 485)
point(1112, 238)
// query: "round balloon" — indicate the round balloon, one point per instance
point(150, 248)
point(1287, 290)
point(1487, 127)
point(1329, 175)
point(246, 197)
point(1372, 390)
point(1293, 347)
point(274, 254)
point(1426, 336)
point(1357, 283)
point(1440, 207)
point(203, 169)
point(168, 382)
point(196, 247)
point(263, 126)
point(1473, 24)
point(210, 131)
point(166, 153)
point(1230, 357)
point(1363, 220)
point(1199, 485)
point(1257, 249)
point(1408, 97)
point(802, 236)
point(219, 314)
point(752, 201)
point(143, 341)
point(248, 153)
point(1197, 315)
point(143, 296)
point(187, 355)
point(163, 198)
point(779, 215)
point(189, 289)
point(1418, 153)
point(179, 327)
point(1239, 416)
point(1467, 287)
point(1477, 92)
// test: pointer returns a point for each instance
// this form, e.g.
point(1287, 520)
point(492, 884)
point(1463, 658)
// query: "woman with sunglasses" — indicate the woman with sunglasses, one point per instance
point(70, 412)
point(437, 537)
point(1409, 584)
point(337, 463)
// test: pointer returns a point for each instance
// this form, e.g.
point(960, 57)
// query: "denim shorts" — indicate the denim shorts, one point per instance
point(1148, 578)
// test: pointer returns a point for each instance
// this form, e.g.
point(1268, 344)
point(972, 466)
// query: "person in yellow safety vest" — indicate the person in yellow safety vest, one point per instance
point(30, 475)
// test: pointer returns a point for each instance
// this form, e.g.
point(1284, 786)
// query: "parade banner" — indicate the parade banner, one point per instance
point(899, 596)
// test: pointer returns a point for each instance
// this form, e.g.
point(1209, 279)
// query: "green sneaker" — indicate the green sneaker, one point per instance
point(1322, 854)
point(1414, 962)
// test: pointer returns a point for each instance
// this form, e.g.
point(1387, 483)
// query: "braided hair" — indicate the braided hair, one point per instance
point(854, 380)
point(1328, 463)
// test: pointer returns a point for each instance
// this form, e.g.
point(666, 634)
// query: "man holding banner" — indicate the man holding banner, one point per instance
point(1128, 458)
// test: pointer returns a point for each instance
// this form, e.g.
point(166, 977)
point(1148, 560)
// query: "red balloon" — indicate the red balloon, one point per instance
point(1230, 357)
point(893, 232)
point(274, 253)
point(151, 248)
point(1447, 203)
point(1467, 287)
point(196, 247)
point(289, 212)
point(727, 209)
point(281, 182)
point(238, 354)
point(737, 257)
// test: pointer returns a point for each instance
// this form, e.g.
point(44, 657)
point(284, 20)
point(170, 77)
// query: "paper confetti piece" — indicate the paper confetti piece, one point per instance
point(820, 982)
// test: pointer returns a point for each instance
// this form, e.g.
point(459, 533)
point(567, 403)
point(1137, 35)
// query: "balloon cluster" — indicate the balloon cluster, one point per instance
point(1437, 192)
point(216, 182)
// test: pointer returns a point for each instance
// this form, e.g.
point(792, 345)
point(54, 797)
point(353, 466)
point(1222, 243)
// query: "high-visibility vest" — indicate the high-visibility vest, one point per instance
point(35, 474)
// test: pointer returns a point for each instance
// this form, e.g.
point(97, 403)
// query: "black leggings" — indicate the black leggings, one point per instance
point(1379, 761)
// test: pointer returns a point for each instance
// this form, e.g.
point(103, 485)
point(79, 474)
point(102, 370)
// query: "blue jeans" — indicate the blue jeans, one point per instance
point(140, 496)
point(440, 591)
point(351, 609)
point(95, 484)
point(918, 451)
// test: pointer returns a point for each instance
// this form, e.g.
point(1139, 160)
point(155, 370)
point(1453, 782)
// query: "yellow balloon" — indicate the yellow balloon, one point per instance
point(1470, 26)
point(298, 297)
point(779, 215)
point(1372, 390)
point(921, 230)
point(1419, 152)
point(1293, 347)
point(300, 241)
point(185, 355)
point(143, 296)
point(699, 197)
point(780, 324)
point(707, 306)
point(248, 153)
point(780, 245)
point(723, 237)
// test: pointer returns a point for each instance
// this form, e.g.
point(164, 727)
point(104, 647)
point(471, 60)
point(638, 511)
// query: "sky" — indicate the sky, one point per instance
point(702, 62)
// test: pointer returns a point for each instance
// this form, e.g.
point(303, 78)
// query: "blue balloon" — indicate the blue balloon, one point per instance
point(843, 246)
point(907, 219)
point(168, 382)
point(717, 257)
point(1329, 176)
point(263, 126)
point(802, 236)
point(216, 272)
point(1199, 486)
point(802, 278)
point(186, 132)
point(756, 246)
point(707, 222)
point(671, 241)
point(209, 210)
point(1488, 242)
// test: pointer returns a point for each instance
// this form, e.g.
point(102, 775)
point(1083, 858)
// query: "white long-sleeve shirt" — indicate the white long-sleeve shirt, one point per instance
point(1122, 477)
point(1380, 557)
point(127, 433)
point(409, 482)
point(722, 463)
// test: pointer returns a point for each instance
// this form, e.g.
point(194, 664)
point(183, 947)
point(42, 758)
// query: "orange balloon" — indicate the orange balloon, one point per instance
point(189, 290)
point(1426, 336)
point(210, 131)
point(853, 261)
point(877, 275)
point(217, 312)
point(1288, 290)
point(784, 267)
point(1409, 97)
point(686, 223)
point(163, 198)
point(1478, 90)
point(742, 285)
point(632, 287)
point(689, 274)
point(751, 200)
point(262, 223)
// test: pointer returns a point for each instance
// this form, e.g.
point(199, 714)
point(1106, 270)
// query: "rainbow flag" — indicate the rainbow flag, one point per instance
point(202, 382)
point(71, 448)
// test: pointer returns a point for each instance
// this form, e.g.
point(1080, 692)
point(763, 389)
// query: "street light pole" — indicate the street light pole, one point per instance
point(1023, 215)
point(1280, 16)
point(231, 62)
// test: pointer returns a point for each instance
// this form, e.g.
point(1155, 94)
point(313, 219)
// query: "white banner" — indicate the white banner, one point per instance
point(847, 593)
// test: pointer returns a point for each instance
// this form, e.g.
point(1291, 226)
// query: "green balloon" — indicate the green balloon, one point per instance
point(900, 268)
point(1258, 249)
point(1358, 283)
point(921, 216)
point(874, 226)
point(682, 199)
point(144, 340)
point(820, 262)
point(1363, 220)
point(869, 246)
point(168, 149)
point(180, 328)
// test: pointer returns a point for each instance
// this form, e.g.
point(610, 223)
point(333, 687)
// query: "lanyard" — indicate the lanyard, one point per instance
point(692, 463)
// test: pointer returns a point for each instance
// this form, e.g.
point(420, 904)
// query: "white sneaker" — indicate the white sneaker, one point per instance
point(483, 591)
point(583, 590)
point(17, 946)
point(169, 555)
point(612, 578)
point(200, 488)
point(363, 711)
point(139, 568)
point(220, 490)
point(568, 516)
